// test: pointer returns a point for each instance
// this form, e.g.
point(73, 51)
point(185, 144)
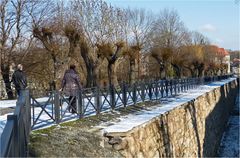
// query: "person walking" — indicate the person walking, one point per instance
point(70, 85)
point(19, 79)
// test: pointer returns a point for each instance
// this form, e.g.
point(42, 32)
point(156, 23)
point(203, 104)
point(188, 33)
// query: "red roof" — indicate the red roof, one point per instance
point(223, 52)
point(219, 51)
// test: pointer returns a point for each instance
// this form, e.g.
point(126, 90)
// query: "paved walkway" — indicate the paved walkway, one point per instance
point(230, 142)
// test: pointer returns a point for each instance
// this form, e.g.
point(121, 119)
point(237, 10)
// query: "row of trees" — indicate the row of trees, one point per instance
point(106, 43)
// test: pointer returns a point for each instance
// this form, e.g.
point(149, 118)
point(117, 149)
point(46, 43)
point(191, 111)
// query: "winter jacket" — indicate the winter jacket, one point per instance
point(19, 80)
point(71, 82)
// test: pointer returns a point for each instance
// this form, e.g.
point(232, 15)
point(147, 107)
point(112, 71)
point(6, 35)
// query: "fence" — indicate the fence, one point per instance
point(91, 101)
point(14, 138)
point(30, 112)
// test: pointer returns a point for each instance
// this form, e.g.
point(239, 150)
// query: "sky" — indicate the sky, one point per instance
point(218, 20)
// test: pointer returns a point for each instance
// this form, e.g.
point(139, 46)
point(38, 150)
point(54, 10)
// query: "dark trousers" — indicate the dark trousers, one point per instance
point(20, 96)
point(18, 92)
point(72, 104)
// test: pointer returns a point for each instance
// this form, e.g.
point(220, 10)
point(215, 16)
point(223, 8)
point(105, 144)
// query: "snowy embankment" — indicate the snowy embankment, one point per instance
point(127, 122)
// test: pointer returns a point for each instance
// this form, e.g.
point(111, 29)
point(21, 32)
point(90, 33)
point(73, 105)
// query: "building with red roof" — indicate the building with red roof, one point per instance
point(221, 56)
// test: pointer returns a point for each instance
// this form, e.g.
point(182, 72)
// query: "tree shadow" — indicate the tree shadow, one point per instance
point(164, 132)
point(192, 110)
point(216, 121)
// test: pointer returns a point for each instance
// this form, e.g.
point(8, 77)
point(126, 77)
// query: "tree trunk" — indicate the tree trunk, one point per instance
point(131, 72)
point(192, 72)
point(5, 69)
point(110, 74)
point(200, 72)
point(177, 70)
point(53, 83)
point(91, 74)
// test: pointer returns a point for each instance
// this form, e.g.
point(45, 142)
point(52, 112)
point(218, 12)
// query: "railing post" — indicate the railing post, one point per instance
point(143, 91)
point(171, 87)
point(28, 120)
point(156, 89)
point(195, 82)
point(134, 94)
point(166, 85)
point(124, 93)
point(185, 82)
point(97, 95)
point(162, 90)
point(80, 104)
point(150, 90)
point(28, 113)
point(179, 85)
point(57, 106)
point(112, 96)
point(175, 86)
point(202, 81)
point(190, 83)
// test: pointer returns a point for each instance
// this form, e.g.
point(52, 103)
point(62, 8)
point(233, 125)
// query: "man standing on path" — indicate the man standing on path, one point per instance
point(19, 79)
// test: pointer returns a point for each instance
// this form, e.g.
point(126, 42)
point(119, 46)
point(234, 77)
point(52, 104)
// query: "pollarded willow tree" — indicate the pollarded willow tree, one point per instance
point(50, 33)
point(195, 60)
point(103, 31)
point(93, 18)
point(59, 35)
point(139, 27)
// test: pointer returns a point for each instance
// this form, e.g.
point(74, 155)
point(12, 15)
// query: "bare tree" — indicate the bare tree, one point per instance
point(112, 54)
point(49, 29)
point(169, 30)
point(91, 18)
point(12, 22)
point(102, 26)
point(198, 38)
point(139, 26)
point(169, 33)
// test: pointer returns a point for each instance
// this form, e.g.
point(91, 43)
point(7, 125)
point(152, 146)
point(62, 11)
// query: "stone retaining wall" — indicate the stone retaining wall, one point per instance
point(193, 129)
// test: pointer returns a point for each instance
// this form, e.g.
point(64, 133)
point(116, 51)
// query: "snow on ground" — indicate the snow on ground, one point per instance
point(7, 103)
point(230, 146)
point(129, 122)
point(126, 123)
point(3, 120)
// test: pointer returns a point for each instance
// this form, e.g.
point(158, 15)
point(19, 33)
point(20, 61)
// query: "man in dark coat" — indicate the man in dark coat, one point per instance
point(19, 79)
point(71, 85)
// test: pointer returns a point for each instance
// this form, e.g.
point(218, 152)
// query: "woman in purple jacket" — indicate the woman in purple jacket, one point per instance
point(71, 85)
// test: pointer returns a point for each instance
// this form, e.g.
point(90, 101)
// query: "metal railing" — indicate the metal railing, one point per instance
point(88, 101)
point(15, 135)
point(92, 101)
